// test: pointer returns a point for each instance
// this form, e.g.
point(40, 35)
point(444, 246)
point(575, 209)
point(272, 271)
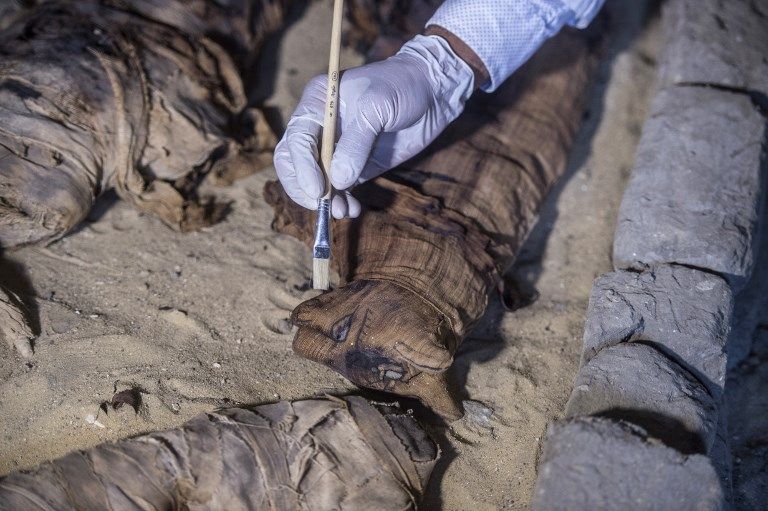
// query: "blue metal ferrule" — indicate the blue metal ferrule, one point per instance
point(322, 245)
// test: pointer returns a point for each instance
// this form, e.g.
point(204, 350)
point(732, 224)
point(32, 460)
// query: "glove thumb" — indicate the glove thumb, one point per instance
point(353, 150)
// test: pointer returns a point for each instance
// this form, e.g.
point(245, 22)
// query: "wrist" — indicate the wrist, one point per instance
point(503, 34)
point(450, 78)
point(463, 51)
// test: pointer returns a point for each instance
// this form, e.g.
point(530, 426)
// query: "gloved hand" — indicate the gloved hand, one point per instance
point(389, 111)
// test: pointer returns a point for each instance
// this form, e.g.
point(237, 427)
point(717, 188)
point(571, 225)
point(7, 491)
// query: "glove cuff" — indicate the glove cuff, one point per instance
point(452, 79)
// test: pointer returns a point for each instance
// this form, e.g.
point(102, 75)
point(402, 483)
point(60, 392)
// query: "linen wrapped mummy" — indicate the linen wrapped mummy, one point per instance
point(436, 234)
point(143, 96)
point(306, 455)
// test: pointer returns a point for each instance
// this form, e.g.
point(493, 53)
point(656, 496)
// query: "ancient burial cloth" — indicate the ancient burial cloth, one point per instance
point(143, 96)
point(418, 266)
point(306, 455)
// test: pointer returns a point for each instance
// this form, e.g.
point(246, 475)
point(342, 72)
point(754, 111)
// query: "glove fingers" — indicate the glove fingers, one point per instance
point(352, 152)
point(339, 206)
point(394, 148)
point(302, 138)
point(353, 206)
point(287, 175)
point(344, 205)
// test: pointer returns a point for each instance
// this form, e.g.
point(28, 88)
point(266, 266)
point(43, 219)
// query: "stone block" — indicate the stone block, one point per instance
point(685, 313)
point(694, 197)
point(591, 463)
point(716, 42)
point(637, 383)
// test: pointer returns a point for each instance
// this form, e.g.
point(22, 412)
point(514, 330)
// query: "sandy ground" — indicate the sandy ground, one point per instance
point(192, 322)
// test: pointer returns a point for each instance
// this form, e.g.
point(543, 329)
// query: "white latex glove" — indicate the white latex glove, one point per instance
point(389, 111)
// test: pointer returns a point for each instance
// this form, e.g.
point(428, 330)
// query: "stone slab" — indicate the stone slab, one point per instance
point(591, 463)
point(637, 383)
point(716, 42)
point(695, 193)
point(684, 312)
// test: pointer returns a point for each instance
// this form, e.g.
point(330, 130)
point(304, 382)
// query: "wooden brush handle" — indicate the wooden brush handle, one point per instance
point(332, 100)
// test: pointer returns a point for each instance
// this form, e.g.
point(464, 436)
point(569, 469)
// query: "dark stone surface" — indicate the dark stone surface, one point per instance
point(721, 42)
point(720, 453)
point(683, 312)
point(694, 197)
point(637, 383)
point(591, 463)
point(747, 401)
point(746, 390)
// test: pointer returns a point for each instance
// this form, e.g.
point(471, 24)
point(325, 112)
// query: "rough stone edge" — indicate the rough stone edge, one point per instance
point(593, 463)
point(606, 325)
point(730, 255)
point(638, 383)
point(720, 447)
point(695, 26)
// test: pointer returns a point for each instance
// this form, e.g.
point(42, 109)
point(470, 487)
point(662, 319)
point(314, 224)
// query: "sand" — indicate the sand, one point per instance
point(192, 322)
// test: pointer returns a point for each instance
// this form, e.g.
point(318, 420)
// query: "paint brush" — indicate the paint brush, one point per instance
point(321, 250)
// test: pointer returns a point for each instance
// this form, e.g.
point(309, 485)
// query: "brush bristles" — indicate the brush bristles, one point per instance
point(321, 274)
